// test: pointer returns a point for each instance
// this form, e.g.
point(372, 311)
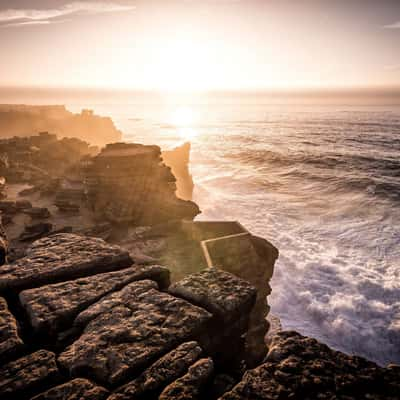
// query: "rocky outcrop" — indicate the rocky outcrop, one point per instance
point(77, 389)
point(20, 378)
point(178, 160)
point(128, 183)
point(4, 246)
point(39, 158)
point(62, 257)
point(127, 330)
point(10, 342)
point(164, 371)
point(191, 385)
point(298, 367)
point(18, 120)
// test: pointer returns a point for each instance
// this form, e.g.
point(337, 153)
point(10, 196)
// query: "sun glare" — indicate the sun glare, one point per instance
point(185, 119)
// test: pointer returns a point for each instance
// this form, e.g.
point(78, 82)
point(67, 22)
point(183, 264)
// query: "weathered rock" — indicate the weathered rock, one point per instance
point(61, 257)
point(164, 371)
point(52, 308)
point(28, 375)
point(128, 330)
point(70, 200)
point(77, 389)
point(128, 183)
point(35, 231)
point(38, 212)
point(301, 368)
point(224, 295)
point(191, 385)
point(10, 342)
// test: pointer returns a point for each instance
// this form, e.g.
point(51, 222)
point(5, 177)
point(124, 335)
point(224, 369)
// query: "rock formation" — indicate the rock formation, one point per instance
point(18, 120)
point(128, 183)
point(178, 160)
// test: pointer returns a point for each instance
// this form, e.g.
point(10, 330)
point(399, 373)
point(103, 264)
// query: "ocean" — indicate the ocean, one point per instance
point(321, 181)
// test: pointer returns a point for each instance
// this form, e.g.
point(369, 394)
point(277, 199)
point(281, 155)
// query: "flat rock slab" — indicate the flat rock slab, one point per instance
point(164, 371)
point(53, 307)
point(10, 342)
point(62, 257)
point(224, 295)
point(191, 385)
point(77, 389)
point(20, 378)
point(299, 368)
point(128, 330)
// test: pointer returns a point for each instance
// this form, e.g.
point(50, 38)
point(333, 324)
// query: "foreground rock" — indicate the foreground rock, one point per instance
point(52, 308)
point(230, 300)
point(193, 384)
point(301, 368)
point(62, 257)
point(77, 389)
point(10, 342)
point(128, 330)
point(28, 375)
point(167, 369)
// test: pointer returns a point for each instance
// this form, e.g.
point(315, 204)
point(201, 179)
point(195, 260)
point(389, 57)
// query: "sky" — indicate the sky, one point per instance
point(200, 45)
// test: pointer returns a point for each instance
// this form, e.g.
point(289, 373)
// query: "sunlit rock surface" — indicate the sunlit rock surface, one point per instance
point(61, 257)
point(178, 160)
point(53, 307)
point(128, 183)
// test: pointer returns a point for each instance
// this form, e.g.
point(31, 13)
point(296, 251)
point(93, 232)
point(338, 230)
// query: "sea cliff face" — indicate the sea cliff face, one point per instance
point(22, 120)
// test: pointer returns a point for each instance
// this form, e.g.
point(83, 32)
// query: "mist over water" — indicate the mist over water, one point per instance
point(322, 183)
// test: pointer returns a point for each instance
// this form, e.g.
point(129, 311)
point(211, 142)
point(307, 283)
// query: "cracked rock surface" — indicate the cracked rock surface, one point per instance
point(129, 329)
point(62, 257)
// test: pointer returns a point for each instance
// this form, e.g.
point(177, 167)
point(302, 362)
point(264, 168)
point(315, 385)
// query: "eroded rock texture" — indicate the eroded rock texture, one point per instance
point(77, 389)
point(21, 378)
point(62, 257)
point(302, 368)
point(52, 308)
point(191, 385)
point(129, 329)
point(154, 379)
point(128, 183)
point(10, 342)
point(224, 295)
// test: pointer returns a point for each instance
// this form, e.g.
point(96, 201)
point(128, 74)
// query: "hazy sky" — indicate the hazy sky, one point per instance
point(188, 44)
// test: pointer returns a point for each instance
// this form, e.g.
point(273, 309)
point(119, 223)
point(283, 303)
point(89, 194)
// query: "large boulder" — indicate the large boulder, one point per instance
point(128, 330)
point(62, 257)
point(52, 308)
point(301, 368)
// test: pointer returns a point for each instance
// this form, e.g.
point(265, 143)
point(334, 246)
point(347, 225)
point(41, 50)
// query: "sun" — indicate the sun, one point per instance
point(185, 119)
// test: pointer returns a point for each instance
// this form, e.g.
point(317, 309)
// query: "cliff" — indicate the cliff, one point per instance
point(22, 120)
point(178, 160)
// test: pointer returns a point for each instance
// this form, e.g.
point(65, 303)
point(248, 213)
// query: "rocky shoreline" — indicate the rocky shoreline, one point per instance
point(110, 290)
